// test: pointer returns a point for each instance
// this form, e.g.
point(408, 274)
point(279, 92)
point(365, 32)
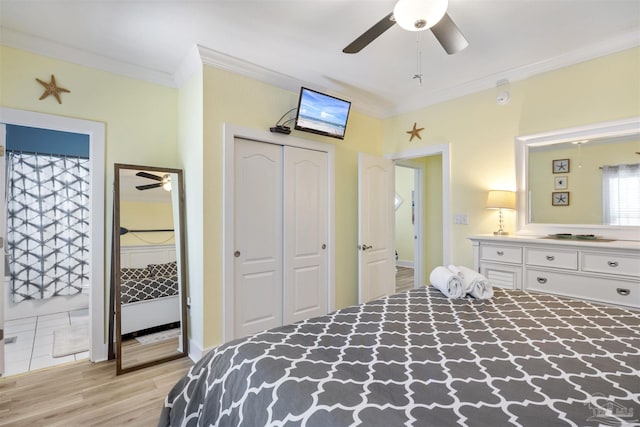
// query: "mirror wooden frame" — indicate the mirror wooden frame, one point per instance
point(116, 266)
point(597, 130)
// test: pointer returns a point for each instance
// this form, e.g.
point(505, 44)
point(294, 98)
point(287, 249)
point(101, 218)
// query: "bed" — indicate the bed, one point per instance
point(148, 287)
point(420, 359)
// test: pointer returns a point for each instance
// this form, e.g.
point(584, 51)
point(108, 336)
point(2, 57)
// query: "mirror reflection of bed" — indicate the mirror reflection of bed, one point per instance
point(149, 264)
point(150, 306)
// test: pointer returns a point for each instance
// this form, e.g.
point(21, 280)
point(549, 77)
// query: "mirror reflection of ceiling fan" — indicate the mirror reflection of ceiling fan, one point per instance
point(416, 15)
point(163, 181)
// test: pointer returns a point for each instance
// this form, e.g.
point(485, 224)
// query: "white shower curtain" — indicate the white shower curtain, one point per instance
point(47, 225)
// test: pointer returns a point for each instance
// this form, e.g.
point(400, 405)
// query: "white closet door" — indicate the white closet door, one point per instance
point(305, 234)
point(258, 237)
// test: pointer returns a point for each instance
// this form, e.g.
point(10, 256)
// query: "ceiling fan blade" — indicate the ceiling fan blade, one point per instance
point(449, 35)
point(149, 176)
point(370, 35)
point(148, 186)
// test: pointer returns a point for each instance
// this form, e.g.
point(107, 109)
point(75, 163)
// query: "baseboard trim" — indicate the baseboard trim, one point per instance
point(404, 263)
point(195, 351)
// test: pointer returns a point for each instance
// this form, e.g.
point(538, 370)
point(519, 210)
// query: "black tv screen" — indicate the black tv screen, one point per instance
point(322, 114)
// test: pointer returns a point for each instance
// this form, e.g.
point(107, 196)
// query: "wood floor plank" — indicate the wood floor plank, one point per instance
point(88, 394)
point(404, 279)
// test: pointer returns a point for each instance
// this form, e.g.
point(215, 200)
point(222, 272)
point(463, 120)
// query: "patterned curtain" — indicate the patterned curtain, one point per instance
point(47, 225)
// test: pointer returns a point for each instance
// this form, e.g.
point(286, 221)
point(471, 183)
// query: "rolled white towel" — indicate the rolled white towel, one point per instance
point(446, 282)
point(475, 284)
point(455, 270)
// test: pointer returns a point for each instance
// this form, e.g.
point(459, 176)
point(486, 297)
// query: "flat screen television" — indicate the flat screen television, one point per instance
point(322, 114)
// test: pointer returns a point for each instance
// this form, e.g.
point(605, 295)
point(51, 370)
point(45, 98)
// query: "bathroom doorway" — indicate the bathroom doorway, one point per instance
point(33, 311)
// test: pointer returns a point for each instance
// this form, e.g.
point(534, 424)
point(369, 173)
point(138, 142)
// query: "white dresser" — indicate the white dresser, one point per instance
point(603, 271)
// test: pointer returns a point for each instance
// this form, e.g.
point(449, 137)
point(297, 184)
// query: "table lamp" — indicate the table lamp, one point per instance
point(501, 199)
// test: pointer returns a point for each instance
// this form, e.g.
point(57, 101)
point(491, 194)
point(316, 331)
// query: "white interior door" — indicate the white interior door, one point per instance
point(258, 237)
point(376, 253)
point(2, 242)
point(305, 234)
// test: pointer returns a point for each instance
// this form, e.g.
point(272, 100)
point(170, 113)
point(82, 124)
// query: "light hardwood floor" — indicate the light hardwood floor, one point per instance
point(88, 394)
point(404, 279)
point(134, 353)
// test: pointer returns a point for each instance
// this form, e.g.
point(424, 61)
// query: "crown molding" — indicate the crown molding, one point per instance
point(248, 69)
point(618, 44)
point(200, 55)
point(44, 47)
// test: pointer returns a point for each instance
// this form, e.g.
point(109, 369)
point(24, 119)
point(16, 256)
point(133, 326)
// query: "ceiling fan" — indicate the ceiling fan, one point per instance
point(163, 181)
point(416, 15)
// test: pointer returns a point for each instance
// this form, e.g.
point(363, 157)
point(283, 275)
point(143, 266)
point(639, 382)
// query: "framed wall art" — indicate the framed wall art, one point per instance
point(560, 198)
point(561, 166)
point(560, 183)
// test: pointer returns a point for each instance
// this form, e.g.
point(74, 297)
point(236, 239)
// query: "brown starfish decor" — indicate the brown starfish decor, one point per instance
point(415, 132)
point(52, 89)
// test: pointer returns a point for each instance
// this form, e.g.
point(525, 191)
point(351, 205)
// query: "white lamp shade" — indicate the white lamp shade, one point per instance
point(419, 15)
point(501, 199)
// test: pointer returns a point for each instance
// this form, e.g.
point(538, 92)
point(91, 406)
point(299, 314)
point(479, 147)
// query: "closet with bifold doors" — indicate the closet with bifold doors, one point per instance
point(280, 235)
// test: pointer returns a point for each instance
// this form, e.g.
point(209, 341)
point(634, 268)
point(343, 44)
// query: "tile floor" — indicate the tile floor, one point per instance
point(33, 345)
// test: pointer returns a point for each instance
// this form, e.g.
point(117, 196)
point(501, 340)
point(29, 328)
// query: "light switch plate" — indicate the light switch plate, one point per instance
point(462, 219)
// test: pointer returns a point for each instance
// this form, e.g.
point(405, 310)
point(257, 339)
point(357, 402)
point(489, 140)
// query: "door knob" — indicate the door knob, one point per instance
point(365, 247)
point(324, 246)
point(236, 254)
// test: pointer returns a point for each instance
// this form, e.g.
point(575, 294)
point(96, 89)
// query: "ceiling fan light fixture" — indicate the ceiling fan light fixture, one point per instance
point(419, 15)
point(166, 182)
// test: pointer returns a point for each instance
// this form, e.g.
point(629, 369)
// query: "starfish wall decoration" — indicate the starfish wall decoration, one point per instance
point(52, 89)
point(415, 132)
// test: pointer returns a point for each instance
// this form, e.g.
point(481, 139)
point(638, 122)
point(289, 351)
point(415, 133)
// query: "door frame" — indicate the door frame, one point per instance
point(433, 150)
point(230, 133)
point(97, 288)
point(418, 226)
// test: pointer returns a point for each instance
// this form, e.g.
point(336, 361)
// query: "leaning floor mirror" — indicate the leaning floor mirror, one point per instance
point(149, 286)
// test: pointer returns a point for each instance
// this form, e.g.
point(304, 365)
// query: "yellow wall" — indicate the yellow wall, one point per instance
point(584, 181)
point(230, 98)
point(481, 133)
point(404, 222)
point(140, 118)
point(432, 222)
point(190, 131)
point(135, 215)
point(145, 121)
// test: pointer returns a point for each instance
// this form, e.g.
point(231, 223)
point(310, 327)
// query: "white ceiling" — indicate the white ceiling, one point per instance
point(301, 41)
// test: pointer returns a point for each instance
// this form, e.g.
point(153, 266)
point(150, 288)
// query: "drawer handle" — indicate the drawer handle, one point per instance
point(612, 263)
point(500, 253)
point(550, 257)
point(541, 280)
point(623, 291)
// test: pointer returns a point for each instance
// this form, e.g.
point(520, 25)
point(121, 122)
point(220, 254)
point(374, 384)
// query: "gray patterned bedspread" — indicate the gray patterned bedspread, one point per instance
point(420, 359)
point(147, 288)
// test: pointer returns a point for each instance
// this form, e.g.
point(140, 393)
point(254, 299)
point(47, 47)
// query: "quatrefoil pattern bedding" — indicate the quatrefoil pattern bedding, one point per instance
point(147, 288)
point(420, 359)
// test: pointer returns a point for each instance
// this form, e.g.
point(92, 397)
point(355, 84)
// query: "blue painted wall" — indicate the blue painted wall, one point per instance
point(46, 141)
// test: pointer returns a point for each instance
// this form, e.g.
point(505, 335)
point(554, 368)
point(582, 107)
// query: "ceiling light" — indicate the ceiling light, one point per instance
point(166, 182)
point(419, 15)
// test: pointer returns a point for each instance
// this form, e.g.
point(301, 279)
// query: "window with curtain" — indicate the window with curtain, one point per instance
point(621, 194)
point(47, 224)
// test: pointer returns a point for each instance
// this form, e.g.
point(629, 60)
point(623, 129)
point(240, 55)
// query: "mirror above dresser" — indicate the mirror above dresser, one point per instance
point(559, 177)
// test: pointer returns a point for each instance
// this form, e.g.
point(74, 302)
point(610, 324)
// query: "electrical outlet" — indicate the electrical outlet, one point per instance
point(462, 219)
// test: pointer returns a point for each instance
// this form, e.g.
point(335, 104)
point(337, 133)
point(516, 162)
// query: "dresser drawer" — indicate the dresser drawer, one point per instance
point(501, 253)
point(552, 258)
point(611, 263)
point(611, 291)
point(501, 275)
